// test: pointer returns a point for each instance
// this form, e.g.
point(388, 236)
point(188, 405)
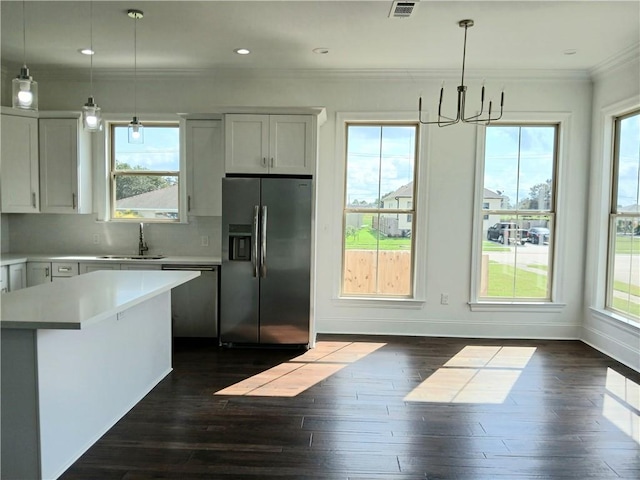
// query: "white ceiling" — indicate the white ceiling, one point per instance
point(189, 35)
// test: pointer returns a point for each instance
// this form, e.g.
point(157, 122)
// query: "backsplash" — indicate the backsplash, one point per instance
point(83, 235)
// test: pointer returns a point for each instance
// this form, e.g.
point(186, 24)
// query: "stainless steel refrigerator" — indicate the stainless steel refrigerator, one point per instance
point(266, 261)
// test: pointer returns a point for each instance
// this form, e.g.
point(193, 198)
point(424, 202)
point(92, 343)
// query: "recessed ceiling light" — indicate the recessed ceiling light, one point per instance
point(242, 51)
point(321, 50)
point(87, 51)
point(570, 51)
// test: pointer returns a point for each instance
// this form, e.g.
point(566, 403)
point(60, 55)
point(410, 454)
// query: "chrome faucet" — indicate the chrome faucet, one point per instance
point(142, 245)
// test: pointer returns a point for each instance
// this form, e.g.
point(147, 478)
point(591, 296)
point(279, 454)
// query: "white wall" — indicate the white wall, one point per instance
point(446, 193)
point(616, 91)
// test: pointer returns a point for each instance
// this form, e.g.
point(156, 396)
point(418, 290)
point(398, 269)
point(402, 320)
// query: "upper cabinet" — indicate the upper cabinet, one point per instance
point(65, 165)
point(204, 167)
point(19, 182)
point(269, 144)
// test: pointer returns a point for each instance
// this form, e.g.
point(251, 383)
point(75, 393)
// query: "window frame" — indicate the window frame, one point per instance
point(112, 173)
point(375, 121)
point(614, 214)
point(556, 302)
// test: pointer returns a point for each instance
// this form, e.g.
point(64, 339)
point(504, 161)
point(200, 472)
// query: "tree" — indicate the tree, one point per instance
point(539, 197)
point(130, 185)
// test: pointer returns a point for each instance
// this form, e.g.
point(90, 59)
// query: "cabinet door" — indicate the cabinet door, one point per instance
point(59, 165)
point(246, 143)
point(205, 167)
point(139, 266)
point(291, 144)
point(17, 276)
point(94, 267)
point(4, 279)
point(19, 180)
point(38, 272)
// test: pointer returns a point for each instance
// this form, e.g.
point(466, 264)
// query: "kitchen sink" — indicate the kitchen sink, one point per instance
point(132, 257)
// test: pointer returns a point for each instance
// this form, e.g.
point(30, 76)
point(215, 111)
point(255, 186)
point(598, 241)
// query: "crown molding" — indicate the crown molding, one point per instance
point(312, 74)
point(621, 59)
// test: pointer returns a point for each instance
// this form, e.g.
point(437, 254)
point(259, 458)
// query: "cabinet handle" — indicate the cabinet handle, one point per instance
point(33, 199)
point(73, 201)
point(46, 271)
point(271, 162)
point(64, 269)
point(264, 161)
point(188, 203)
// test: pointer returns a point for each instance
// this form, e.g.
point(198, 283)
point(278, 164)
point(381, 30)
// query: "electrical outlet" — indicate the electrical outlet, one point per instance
point(96, 239)
point(204, 241)
point(444, 298)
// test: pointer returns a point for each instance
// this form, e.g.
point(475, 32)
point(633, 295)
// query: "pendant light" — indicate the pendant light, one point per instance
point(24, 88)
point(136, 130)
point(462, 97)
point(91, 112)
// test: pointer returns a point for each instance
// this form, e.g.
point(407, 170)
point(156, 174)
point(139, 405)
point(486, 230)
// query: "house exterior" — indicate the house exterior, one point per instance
point(397, 224)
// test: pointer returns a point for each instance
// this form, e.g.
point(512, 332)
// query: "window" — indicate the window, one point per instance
point(379, 209)
point(145, 178)
point(623, 286)
point(518, 213)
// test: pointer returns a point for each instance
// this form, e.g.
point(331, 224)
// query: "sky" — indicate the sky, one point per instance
point(629, 163)
point(379, 160)
point(160, 150)
point(517, 158)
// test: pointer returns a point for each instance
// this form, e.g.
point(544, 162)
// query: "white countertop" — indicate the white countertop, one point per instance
point(12, 258)
point(85, 299)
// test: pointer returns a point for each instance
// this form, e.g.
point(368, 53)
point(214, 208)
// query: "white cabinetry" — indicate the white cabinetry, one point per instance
point(19, 182)
point(63, 270)
point(13, 277)
point(4, 279)
point(17, 276)
point(65, 165)
point(87, 267)
point(204, 167)
point(269, 144)
point(38, 272)
point(139, 266)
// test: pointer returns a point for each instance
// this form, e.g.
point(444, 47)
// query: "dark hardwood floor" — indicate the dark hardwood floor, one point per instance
point(412, 408)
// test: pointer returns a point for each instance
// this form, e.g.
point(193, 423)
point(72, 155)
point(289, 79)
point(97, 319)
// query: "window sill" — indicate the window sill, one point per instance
point(373, 302)
point(516, 306)
point(611, 317)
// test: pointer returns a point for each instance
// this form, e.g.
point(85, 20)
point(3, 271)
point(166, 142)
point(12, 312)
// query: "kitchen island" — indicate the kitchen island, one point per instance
point(76, 357)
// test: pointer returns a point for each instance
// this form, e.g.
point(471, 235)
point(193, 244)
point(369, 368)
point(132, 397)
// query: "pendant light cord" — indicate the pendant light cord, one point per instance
point(135, 65)
point(91, 48)
point(24, 35)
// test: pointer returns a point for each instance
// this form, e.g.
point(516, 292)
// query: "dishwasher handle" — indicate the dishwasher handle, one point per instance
point(191, 268)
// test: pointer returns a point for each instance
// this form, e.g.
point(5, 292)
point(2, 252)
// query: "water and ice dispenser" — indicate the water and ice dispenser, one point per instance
point(240, 243)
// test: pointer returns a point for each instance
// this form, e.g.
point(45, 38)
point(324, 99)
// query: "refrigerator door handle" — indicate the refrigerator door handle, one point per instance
point(263, 244)
point(254, 243)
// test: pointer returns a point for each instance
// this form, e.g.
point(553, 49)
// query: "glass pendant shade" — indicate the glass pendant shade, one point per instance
point(92, 116)
point(24, 91)
point(136, 131)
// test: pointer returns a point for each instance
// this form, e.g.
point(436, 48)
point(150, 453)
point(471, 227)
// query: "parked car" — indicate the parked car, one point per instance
point(538, 235)
point(508, 230)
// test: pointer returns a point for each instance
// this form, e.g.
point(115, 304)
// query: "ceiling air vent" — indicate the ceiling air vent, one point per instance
point(402, 9)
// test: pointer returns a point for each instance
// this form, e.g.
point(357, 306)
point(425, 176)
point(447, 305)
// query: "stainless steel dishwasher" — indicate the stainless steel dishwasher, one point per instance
point(194, 305)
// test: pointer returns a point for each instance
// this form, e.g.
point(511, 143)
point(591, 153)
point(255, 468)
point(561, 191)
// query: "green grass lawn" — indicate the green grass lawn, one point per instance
point(527, 285)
point(623, 305)
point(366, 238)
point(488, 246)
point(627, 244)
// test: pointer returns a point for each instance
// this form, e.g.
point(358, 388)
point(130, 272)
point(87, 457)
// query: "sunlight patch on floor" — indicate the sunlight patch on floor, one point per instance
point(300, 373)
point(621, 404)
point(476, 374)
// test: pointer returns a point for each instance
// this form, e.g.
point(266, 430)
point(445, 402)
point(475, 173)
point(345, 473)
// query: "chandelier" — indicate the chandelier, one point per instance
point(462, 96)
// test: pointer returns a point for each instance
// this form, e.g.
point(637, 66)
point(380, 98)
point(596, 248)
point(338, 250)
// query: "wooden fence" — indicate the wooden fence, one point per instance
point(393, 272)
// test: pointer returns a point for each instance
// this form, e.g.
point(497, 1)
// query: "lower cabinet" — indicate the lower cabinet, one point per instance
point(87, 267)
point(17, 276)
point(13, 277)
point(38, 273)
